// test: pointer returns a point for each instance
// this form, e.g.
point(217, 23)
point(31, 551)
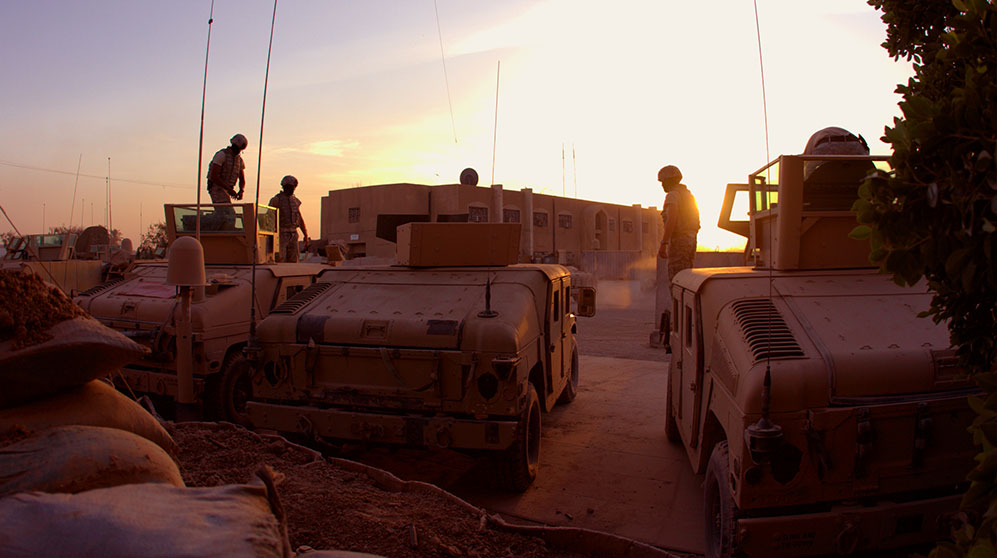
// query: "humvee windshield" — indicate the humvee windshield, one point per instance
point(225, 218)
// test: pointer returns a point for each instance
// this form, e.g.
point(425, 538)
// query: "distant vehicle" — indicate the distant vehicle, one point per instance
point(455, 349)
point(827, 417)
point(142, 305)
point(54, 258)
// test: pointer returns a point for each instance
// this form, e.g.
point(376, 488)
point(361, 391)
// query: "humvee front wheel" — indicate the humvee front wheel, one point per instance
point(721, 513)
point(570, 391)
point(516, 467)
point(237, 390)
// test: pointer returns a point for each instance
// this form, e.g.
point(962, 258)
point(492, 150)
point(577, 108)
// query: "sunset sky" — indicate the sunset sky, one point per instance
point(358, 96)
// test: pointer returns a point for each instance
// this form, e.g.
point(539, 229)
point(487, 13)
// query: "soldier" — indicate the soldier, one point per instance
point(289, 211)
point(678, 244)
point(225, 169)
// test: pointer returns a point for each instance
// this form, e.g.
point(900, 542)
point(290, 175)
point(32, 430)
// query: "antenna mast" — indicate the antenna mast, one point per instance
point(498, 70)
point(253, 344)
point(200, 140)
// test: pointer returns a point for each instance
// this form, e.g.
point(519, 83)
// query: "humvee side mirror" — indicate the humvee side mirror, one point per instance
point(586, 301)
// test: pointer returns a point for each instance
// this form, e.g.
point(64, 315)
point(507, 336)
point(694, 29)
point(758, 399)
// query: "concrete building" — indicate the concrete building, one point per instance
point(586, 234)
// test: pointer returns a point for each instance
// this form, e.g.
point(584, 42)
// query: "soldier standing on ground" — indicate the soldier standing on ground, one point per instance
point(225, 170)
point(681, 222)
point(289, 219)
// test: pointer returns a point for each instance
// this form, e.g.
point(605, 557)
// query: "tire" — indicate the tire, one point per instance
point(721, 513)
point(236, 391)
point(516, 467)
point(570, 391)
point(671, 427)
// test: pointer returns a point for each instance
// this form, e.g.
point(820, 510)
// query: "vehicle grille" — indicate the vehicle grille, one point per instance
point(765, 331)
point(296, 302)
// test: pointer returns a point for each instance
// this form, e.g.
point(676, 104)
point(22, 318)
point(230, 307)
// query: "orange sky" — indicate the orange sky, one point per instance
point(358, 95)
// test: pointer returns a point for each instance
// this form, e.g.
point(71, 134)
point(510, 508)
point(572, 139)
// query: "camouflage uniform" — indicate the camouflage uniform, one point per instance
point(682, 244)
point(231, 165)
point(289, 215)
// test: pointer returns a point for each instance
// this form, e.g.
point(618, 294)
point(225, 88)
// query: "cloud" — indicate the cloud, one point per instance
point(325, 148)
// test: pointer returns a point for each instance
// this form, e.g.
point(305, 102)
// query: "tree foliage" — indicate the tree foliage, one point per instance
point(154, 242)
point(934, 217)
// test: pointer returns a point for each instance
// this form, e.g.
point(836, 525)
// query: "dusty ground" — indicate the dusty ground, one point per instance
point(328, 507)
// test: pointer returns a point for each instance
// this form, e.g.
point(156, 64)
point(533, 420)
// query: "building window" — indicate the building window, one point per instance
point(612, 224)
point(540, 220)
point(510, 215)
point(564, 221)
point(477, 214)
point(354, 215)
point(628, 226)
point(643, 226)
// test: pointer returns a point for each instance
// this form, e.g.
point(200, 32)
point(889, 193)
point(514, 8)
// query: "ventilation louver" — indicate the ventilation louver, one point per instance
point(766, 332)
point(296, 302)
point(100, 288)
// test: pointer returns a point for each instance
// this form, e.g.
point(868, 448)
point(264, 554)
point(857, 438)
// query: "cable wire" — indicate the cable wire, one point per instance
point(446, 79)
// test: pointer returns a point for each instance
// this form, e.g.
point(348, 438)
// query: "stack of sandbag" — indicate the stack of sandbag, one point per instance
point(62, 429)
point(84, 470)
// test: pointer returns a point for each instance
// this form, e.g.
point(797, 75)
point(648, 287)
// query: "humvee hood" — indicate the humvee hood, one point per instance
point(867, 331)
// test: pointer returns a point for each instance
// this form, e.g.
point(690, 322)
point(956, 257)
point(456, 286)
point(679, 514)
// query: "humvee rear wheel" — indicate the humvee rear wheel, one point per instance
point(236, 390)
point(671, 427)
point(721, 513)
point(516, 467)
point(570, 391)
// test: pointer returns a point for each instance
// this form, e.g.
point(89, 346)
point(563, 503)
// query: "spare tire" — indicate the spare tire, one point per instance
point(77, 458)
point(92, 404)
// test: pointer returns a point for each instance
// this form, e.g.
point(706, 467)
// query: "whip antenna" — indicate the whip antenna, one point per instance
point(446, 80)
point(498, 71)
point(200, 139)
point(259, 164)
point(72, 207)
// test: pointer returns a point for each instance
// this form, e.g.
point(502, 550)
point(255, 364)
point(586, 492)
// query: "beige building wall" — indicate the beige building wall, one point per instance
point(562, 228)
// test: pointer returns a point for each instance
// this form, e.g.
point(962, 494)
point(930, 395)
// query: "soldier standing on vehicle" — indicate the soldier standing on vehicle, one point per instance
point(681, 222)
point(225, 170)
point(290, 219)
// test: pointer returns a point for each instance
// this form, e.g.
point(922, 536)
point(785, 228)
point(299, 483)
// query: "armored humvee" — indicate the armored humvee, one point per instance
point(142, 305)
point(458, 347)
point(827, 417)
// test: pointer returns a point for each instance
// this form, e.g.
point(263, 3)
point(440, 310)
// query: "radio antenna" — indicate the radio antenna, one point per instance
point(446, 79)
point(253, 342)
point(498, 71)
point(200, 139)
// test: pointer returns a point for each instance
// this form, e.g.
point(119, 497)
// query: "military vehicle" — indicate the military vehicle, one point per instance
point(142, 305)
point(457, 347)
point(56, 258)
point(827, 417)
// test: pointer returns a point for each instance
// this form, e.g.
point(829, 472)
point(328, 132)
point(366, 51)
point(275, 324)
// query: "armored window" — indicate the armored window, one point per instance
point(477, 214)
point(628, 226)
point(354, 215)
point(557, 305)
point(564, 221)
point(540, 220)
point(612, 224)
point(510, 215)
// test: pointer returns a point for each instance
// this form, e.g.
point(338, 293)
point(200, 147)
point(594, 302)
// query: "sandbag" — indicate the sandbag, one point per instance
point(80, 350)
point(92, 404)
point(148, 520)
point(77, 458)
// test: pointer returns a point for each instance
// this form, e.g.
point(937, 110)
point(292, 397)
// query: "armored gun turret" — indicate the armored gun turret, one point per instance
point(827, 417)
